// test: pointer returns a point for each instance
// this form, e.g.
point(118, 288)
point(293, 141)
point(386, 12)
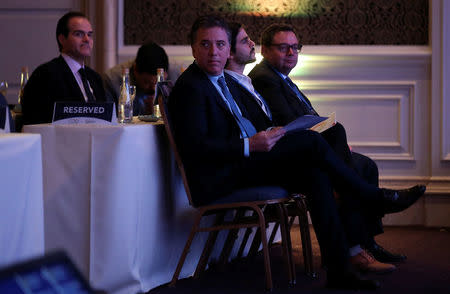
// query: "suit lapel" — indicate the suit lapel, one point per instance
point(210, 88)
point(74, 90)
point(292, 98)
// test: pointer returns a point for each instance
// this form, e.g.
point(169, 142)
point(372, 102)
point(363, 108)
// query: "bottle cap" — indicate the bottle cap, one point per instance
point(24, 68)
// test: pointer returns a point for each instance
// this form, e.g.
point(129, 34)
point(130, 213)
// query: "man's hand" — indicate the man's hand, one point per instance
point(265, 140)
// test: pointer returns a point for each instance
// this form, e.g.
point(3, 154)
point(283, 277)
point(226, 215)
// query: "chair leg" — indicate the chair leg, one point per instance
point(256, 243)
point(273, 234)
point(286, 242)
point(262, 230)
point(194, 230)
point(209, 245)
point(305, 236)
point(247, 234)
point(231, 239)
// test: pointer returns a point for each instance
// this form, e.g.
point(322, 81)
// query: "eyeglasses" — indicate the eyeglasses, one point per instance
point(284, 48)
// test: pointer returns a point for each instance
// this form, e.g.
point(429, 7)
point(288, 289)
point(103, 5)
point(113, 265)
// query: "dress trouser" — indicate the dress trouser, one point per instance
point(304, 162)
point(361, 223)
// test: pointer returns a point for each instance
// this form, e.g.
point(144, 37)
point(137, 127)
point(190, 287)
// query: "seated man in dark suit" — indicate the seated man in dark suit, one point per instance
point(280, 50)
point(65, 78)
point(225, 144)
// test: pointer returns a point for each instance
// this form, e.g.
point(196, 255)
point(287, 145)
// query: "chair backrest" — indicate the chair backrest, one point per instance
point(163, 98)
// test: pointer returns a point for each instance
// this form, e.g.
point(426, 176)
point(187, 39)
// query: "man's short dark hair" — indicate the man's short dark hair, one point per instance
point(270, 31)
point(62, 28)
point(234, 29)
point(206, 22)
point(150, 57)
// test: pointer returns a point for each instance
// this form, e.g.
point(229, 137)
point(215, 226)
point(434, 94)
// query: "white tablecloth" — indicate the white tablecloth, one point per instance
point(114, 200)
point(21, 205)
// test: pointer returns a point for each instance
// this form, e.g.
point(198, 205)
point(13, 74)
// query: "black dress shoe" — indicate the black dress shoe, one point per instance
point(399, 200)
point(382, 255)
point(348, 280)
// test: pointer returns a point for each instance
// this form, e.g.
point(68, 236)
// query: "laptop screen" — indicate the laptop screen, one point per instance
point(52, 274)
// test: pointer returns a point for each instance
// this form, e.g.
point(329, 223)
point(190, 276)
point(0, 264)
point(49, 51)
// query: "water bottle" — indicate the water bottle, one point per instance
point(125, 107)
point(23, 82)
point(159, 78)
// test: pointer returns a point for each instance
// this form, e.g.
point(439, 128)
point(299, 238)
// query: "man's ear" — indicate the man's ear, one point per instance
point(61, 38)
point(263, 50)
point(231, 55)
point(193, 52)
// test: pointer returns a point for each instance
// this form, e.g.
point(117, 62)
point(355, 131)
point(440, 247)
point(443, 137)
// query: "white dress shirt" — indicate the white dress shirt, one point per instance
point(246, 82)
point(214, 81)
point(75, 67)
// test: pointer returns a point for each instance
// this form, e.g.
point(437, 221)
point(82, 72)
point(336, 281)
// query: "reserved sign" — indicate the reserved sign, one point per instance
point(84, 113)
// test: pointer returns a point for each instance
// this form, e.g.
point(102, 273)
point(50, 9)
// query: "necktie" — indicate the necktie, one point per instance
point(246, 127)
point(302, 98)
point(87, 90)
point(263, 105)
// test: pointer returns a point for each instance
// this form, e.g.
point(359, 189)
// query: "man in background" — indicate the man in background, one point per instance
point(65, 78)
point(149, 58)
point(280, 49)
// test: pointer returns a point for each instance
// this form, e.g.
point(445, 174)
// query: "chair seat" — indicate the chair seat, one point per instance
point(260, 193)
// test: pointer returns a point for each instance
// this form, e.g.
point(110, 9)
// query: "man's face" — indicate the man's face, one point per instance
point(284, 62)
point(245, 49)
point(145, 82)
point(211, 49)
point(79, 42)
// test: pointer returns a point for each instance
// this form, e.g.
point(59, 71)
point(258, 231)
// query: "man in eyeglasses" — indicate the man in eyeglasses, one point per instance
point(280, 49)
point(66, 77)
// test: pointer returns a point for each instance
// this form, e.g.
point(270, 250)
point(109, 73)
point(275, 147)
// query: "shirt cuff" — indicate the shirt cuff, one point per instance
point(246, 148)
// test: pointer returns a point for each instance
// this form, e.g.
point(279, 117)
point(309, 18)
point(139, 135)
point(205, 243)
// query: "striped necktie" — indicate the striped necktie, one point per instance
point(300, 96)
point(246, 127)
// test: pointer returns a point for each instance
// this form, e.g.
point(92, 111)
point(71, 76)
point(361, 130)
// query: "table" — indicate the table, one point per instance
point(21, 202)
point(114, 200)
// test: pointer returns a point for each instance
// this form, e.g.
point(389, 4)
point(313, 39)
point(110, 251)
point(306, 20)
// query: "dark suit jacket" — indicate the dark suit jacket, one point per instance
point(53, 81)
point(282, 100)
point(286, 107)
point(210, 143)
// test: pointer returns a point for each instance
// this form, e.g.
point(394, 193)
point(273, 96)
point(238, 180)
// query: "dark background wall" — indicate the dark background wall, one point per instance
point(318, 22)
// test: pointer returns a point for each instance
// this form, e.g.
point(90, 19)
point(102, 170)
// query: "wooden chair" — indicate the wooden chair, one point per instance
point(278, 198)
point(296, 207)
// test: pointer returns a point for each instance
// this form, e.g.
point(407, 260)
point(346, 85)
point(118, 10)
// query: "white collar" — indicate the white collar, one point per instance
point(72, 63)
